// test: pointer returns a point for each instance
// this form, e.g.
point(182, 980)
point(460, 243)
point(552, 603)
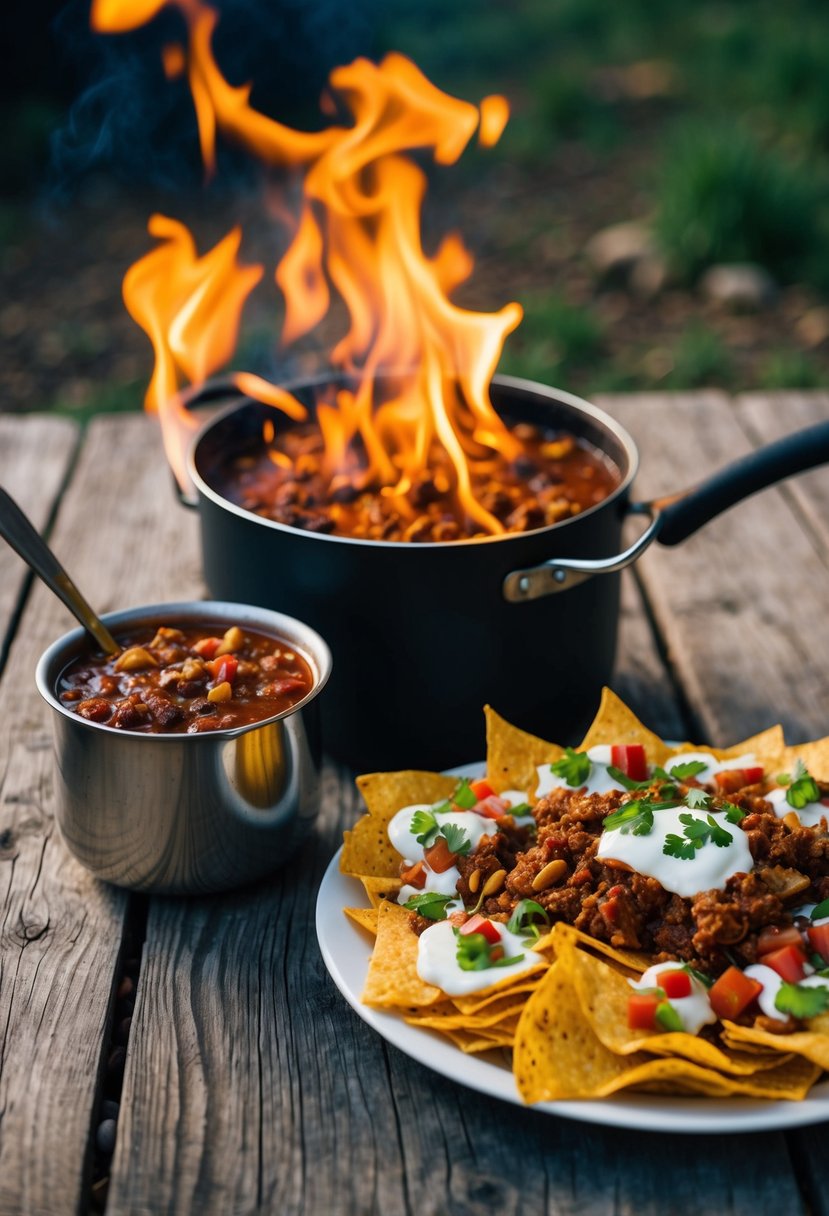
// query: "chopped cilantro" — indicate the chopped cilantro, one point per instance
point(733, 813)
point(635, 816)
point(573, 766)
point(803, 789)
point(429, 904)
point(675, 846)
point(462, 796)
point(820, 910)
point(697, 832)
point(523, 808)
point(424, 827)
point(626, 782)
point(801, 1000)
point(474, 953)
point(691, 768)
point(456, 838)
point(699, 975)
point(783, 778)
point(697, 799)
point(667, 1016)
point(526, 919)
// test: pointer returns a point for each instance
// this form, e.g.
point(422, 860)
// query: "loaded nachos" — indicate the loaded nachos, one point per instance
point(621, 915)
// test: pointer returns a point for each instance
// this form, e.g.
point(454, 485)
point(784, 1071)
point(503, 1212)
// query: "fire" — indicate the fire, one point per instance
point(358, 238)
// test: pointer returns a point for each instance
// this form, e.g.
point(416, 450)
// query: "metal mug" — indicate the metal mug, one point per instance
point(187, 813)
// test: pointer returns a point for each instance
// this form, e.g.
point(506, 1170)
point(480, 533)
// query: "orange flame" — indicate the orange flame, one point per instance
point(358, 235)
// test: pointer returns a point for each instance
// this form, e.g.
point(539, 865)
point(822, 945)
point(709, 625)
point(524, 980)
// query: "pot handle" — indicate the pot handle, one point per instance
point(675, 517)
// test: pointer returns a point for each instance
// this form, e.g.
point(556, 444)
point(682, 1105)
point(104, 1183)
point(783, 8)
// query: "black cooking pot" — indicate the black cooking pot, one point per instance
point(424, 635)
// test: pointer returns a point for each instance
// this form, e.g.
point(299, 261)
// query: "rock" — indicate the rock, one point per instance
point(739, 286)
point(649, 276)
point(615, 251)
point(813, 326)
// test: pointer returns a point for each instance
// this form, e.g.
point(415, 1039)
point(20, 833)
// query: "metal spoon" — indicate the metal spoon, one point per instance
point(20, 532)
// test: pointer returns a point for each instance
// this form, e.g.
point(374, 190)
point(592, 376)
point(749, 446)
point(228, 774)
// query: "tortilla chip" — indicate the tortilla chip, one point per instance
point(471, 1042)
point(446, 1016)
point(513, 755)
point(634, 961)
point(811, 1044)
point(558, 1056)
point(377, 889)
point(769, 747)
point(814, 755)
point(366, 918)
point(367, 848)
point(517, 992)
point(615, 723)
point(392, 979)
point(603, 994)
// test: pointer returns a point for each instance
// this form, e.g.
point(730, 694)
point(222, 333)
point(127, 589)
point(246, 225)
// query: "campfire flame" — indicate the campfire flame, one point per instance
point(358, 237)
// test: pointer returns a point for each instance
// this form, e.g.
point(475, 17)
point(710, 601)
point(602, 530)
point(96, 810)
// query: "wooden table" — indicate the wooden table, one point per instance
point(248, 1083)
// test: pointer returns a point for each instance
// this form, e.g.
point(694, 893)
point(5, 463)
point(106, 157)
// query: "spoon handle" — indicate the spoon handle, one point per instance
point(20, 532)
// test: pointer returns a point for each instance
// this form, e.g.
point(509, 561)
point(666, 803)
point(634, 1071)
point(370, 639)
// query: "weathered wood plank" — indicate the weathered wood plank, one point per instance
point(768, 416)
point(35, 453)
point(60, 930)
point(741, 642)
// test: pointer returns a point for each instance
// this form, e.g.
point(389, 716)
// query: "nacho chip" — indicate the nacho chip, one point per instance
point(512, 755)
point(377, 889)
point(392, 979)
point(769, 746)
point(811, 1044)
point(814, 755)
point(615, 723)
point(558, 1056)
point(366, 918)
point(367, 849)
point(603, 994)
point(633, 961)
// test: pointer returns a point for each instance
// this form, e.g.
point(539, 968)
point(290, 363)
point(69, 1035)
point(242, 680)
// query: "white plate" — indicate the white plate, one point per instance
point(346, 951)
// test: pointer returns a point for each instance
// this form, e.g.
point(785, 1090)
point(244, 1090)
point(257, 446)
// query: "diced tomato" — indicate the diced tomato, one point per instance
point(223, 668)
point(415, 876)
point(787, 962)
point(773, 938)
point(481, 789)
point(642, 1010)
point(207, 647)
point(675, 984)
point(733, 992)
point(480, 924)
point(818, 936)
point(491, 807)
point(439, 857)
point(730, 780)
point(630, 758)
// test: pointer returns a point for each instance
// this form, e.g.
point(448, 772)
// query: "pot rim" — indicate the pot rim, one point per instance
point(314, 650)
point(578, 404)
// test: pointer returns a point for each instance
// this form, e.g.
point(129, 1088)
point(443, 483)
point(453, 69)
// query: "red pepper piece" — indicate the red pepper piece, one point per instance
point(642, 1010)
point(630, 758)
point(733, 992)
point(675, 984)
point(480, 924)
point(788, 962)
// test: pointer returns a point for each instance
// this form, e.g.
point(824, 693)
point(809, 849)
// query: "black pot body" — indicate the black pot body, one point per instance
point(422, 636)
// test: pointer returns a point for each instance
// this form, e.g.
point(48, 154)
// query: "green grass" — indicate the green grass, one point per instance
point(700, 359)
point(725, 197)
point(105, 398)
point(554, 341)
point(786, 369)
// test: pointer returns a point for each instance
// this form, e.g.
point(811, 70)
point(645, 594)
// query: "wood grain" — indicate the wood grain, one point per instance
point(741, 638)
point(35, 454)
point(60, 930)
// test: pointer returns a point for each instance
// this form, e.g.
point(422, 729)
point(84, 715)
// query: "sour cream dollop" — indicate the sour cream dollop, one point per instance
point(809, 815)
point(598, 780)
point(709, 868)
point(712, 764)
point(437, 961)
point(695, 1010)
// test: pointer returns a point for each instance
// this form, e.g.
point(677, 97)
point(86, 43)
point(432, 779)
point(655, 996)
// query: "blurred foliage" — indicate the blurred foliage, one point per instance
point(555, 341)
point(790, 369)
point(725, 197)
point(700, 359)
